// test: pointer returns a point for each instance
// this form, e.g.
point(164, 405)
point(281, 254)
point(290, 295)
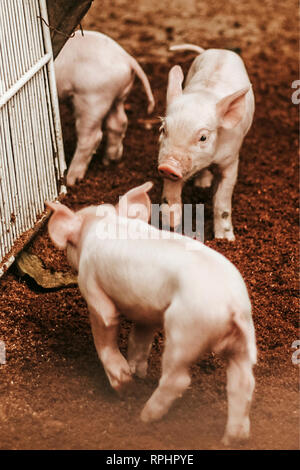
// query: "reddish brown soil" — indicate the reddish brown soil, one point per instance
point(53, 390)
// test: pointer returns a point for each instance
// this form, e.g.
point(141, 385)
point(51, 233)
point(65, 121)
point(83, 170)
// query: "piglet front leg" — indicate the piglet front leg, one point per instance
point(105, 325)
point(240, 387)
point(171, 203)
point(222, 202)
point(115, 365)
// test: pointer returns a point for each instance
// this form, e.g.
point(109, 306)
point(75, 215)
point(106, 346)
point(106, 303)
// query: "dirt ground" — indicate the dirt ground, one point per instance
point(53, 390)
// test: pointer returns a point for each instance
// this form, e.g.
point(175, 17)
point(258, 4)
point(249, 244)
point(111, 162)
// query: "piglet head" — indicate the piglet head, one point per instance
point(174, 162)
point(170, 166)
point(64, 225)
point(189, 134)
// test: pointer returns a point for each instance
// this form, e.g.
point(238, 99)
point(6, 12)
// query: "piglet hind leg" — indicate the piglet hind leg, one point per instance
point(175, 379)
point(115, 126)
point(88, 139)
point(240, 385)
point(139, 345)
point(89, 135)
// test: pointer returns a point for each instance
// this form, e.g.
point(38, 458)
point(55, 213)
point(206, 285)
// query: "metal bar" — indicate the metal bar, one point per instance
point(46, 111)
point(45, 114)
point(24, 79)
point(53, 92)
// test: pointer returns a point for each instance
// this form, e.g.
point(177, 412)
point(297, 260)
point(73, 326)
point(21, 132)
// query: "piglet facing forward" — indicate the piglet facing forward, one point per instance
point(205, 124)
point(155, 278)
point(98, 74)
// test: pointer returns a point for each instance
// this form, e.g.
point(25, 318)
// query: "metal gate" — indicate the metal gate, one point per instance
point(32, 160)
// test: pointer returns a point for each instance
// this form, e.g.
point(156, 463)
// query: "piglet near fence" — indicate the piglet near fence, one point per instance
point(98, 74)
point(156, 279)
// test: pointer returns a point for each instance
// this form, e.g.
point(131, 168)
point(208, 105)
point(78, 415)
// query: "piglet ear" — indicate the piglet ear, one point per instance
point(231, 108)
point(174, 89)
point(136, 204)
point(64, 225)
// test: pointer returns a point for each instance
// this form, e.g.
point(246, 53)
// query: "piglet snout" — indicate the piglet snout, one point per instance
point(170, 169)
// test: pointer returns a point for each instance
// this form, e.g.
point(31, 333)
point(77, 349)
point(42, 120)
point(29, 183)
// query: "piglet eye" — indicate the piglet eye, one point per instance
point(203, 138)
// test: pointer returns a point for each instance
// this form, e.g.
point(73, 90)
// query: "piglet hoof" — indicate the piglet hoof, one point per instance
point(152, 413)
point(151, 107)
point(230, 440)
point(126, 389)
point(238, 435)
point(120, 379)
point(70, 180)
point(138, 368)
point(204, 181)
point(225, 234)
point(226, 440)
point(113, 155)
point(147, 416)
point(73, 176)
point(105, 161)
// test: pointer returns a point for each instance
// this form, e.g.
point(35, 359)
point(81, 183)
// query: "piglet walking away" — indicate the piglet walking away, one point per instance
point(156, 278)
point(98, 74)
point(205, 124)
